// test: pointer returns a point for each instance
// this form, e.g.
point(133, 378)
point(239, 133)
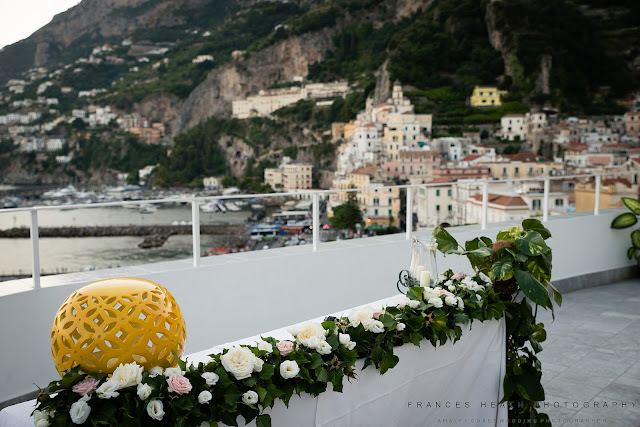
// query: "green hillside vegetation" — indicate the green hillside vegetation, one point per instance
point(181, 76)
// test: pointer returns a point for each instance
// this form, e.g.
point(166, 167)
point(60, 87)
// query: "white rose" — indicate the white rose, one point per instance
point(314, 342)
point(85, 398)
point(452, 288)
point(441, 278)
point(169, 372)
point(460, 303)
point(400, 327)
point(413, 303)
point(127, 375)
point(436, 302)
point(450, 300)
point(239, 361)
point(257, 364)
point(376, 327)
point(479, 297)
point(211, 378)
point(430, 293)
point(351, 345)
point(368, 323)
point(311, 330)
point(41, 418)
point(108, 389)
point(155, 371)
point(144, 390)
point(294, 330)
point(402, 303)
point(344, 338)
point(204, 397)
point(324, 348)
point(250, 397)
point(359, 315)
point(155, 409)
point(79, 412)
point(265, 346)
point(448, 283)
point(289, 369)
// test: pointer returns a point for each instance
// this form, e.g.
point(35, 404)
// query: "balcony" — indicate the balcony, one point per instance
point(287, 285)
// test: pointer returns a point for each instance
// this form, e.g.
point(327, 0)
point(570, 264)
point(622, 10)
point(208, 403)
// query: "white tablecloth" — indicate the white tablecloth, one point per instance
point(457, 384)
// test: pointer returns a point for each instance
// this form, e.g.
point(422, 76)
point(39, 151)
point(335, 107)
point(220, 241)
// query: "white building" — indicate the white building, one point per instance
point(513, 127)
point(202, 58)
point(435, 204)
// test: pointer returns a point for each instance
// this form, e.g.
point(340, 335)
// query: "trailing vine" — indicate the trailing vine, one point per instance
point(518, 262)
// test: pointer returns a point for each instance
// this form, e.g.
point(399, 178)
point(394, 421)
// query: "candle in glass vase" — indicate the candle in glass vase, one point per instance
point(419, 271)
point(425, 278)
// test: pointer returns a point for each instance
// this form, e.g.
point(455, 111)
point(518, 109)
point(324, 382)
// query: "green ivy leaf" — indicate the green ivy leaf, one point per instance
point(389, 360)
point(630, 252)
point(624, 220)
point(387, 320)
point(446, 242)
point(267, 371)
point(538, 267)
point(263, 420)
point(503, 270)
point(557, 296)
point(461, 318)
point(323, 375)
point(316, 360)
point(262, 393)
point(531, 287)
point(531, 243)
point(632, 204)
point(635, 238)
point(333, 341)
point(536, 225)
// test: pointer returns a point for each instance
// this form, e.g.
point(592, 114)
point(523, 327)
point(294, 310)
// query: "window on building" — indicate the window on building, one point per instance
point(376, 212)
point(535, 205)
point(559, 202)
point(437, 193)
point(389, 212)
point(504, 171)
point(449, 208)
point(449, 193)
point(517, 171)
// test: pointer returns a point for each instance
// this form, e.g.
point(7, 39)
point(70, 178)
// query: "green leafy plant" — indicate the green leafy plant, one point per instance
point(626, 220)
point(518, 261)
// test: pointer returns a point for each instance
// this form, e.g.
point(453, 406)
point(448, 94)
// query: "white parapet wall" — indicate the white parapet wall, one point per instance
point(234, 296)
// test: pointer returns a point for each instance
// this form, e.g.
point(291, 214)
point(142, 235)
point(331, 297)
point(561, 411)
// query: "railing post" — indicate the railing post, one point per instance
point(195, 231)
point(316, 221)
point(35, 250)
point(596, 208)
point(545, 201)
point(485, 205)
point(409, 208)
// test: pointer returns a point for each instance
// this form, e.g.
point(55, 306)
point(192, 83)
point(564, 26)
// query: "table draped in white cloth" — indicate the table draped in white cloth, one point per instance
point(456, 384)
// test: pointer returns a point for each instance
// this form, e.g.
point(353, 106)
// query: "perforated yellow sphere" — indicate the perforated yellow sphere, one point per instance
point(116, 321)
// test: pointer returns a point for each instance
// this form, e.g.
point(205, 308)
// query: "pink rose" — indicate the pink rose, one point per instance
point(457, 276)
point(377, 313)
point(443, 292)
point(86, 386)
point(179, 384)
point(285, 347)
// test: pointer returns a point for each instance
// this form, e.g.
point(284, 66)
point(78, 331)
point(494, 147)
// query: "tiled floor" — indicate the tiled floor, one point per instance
point(591, 359)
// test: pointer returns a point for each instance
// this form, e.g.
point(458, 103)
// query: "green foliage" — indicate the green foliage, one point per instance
point(626, 220)
point(518, 261)
point(358, 49)
point(347, 215)
point(433, 47)
point(416, 319)
point(195, 154)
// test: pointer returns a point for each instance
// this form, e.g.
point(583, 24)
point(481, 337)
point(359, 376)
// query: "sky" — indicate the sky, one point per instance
point(21, 18)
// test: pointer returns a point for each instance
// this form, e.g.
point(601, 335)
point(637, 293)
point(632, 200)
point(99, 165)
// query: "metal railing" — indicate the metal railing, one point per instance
point(315, 195)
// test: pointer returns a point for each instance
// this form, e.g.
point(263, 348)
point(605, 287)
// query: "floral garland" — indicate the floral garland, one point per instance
point(244, 380)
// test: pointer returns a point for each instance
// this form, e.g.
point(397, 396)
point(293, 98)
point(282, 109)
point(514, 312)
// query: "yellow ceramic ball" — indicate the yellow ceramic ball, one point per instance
point(114, 321)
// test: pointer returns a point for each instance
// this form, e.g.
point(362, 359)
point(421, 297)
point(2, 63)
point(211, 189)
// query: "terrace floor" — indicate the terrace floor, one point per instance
point(591, 359)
